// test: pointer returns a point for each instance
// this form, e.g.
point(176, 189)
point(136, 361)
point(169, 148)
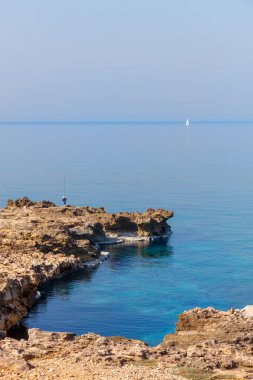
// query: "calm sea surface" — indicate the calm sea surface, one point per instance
point(203, 173)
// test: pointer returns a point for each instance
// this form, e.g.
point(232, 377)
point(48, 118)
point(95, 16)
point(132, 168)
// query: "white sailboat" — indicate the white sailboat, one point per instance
point(187, 123)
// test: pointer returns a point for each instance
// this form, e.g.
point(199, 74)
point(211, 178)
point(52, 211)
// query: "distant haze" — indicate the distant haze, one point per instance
point(126, 60)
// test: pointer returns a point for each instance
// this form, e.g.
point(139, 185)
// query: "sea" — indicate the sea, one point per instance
point(204, 173)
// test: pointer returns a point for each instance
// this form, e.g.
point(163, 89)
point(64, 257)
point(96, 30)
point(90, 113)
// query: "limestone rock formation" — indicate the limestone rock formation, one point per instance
point(46, 355)
point(211, 339)
point(21, 272)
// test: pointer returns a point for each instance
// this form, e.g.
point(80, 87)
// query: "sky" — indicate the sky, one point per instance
point(126, 60)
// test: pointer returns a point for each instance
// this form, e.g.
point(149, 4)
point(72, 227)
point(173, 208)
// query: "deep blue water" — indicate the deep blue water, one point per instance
point(203, 173)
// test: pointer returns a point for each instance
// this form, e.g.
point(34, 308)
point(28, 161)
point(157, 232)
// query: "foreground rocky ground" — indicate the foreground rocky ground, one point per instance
point(208, 344)
point(39, 241)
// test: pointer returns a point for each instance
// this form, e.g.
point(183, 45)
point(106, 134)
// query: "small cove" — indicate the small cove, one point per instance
point(139, 291)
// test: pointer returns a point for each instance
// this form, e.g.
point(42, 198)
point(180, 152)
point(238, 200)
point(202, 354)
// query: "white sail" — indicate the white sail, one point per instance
point(187, 123)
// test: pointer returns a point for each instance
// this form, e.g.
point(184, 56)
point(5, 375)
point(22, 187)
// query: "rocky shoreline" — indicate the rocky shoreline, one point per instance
point(40, 241)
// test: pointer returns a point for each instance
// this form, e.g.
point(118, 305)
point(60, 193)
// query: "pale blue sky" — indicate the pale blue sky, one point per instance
point(126, 59)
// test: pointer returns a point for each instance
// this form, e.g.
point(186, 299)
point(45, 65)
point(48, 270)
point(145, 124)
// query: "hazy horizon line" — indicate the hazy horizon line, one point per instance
point(15, 122)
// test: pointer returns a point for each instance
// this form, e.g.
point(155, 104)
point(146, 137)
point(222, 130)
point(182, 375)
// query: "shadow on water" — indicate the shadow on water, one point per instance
point(153, 250)
point(63, 286)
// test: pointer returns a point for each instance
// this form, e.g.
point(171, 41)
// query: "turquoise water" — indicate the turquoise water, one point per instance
point(203, 173)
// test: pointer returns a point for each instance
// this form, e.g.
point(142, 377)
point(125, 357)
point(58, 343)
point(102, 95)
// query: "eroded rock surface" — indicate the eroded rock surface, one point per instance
point(220, 343)
point(66, 356)
point(20, 275)
point(211, 339)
